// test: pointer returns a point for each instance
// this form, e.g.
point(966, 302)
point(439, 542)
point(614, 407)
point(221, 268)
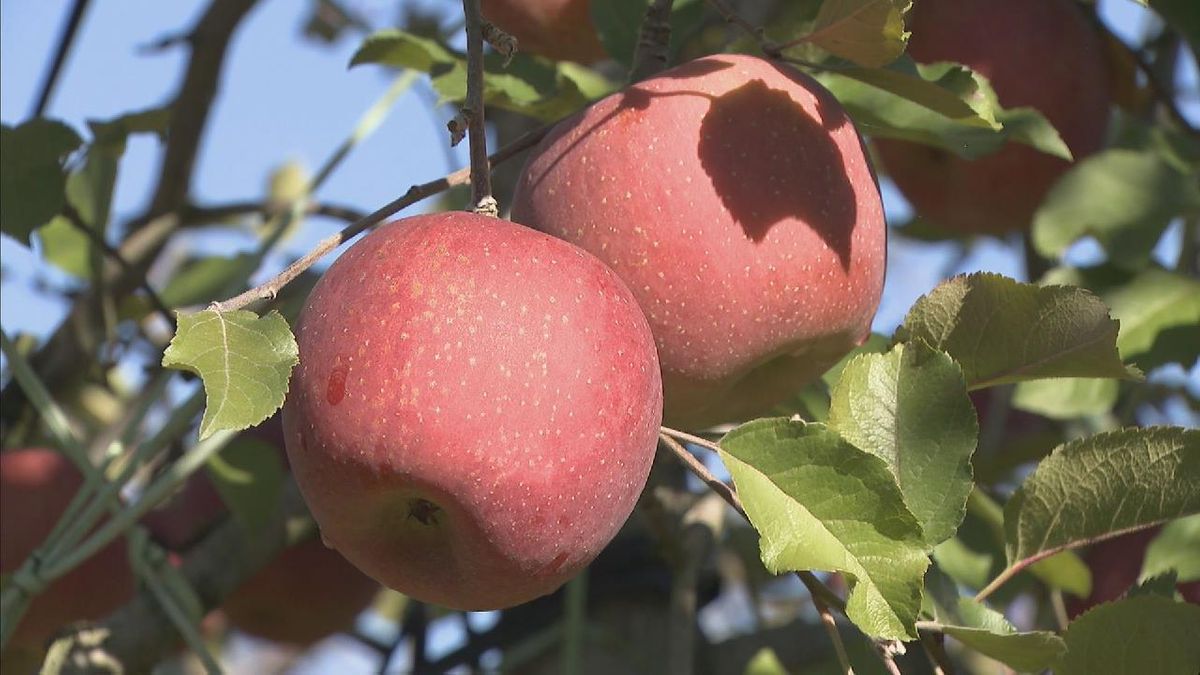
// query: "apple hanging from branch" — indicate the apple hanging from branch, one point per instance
point(734, 197)
point(475, 410)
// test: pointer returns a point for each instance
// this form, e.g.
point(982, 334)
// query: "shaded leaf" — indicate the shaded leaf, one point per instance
point(1177, 549)
point(1003, 331)
point(244, 361)
point(946, 105)
point(1142, 634)
point(765, 662)
point(527, 85)
point(1123, 198)
point(249, 475)
point(868, 32)
point(204, 280)
point(1067, 398)
point(32, 175)
point(819, 503)
point(1065, 571)
point(989, 633)
point(1101, 486)
point(910, 408)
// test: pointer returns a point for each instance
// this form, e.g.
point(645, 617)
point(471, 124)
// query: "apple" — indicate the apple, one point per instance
point(1116, 564)
point(734, 197)
point(1037, 53)
point(557, 29)
point(475, 410)
point(36, 485)
point(306, 593)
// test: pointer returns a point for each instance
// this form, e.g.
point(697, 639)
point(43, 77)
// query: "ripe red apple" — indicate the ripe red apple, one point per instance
point(557, 29)
point(1036, 53)
point(306, 593)
point(36, 485)
point(734, 197)
point(475, 409)
point(1116, 564)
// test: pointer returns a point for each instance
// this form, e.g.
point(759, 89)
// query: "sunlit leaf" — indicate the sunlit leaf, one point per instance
point(819, 503)
point(244, 361)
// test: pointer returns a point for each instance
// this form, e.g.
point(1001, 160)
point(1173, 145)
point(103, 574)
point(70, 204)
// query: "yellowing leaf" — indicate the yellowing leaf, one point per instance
point(868, 32)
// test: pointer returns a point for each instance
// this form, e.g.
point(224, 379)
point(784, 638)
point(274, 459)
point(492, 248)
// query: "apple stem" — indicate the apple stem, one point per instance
point(651, 54)
point(482, 201)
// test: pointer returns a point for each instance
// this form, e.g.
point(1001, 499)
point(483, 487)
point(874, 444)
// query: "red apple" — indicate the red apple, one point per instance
point(734, 197)
point(306, 593)
point(1036, 53)
point(557, 29)
point(1116, 564)
point(475, 409)
point(36, 485)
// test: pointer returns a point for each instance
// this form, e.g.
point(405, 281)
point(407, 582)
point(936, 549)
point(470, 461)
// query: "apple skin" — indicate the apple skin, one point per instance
point(475, 410)
point(1036, 53)
point(556, 29)
point(735, 199)
point(36, 485)
point(306, 593)
point(1116, 564)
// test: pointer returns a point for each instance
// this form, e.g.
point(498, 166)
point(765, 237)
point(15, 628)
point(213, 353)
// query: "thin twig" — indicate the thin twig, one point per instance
point(65, 41)
point(482, 201)
point(156, 301)
point(732, 17)
point(1162, 92)
point(192, 105)
point(202, 214)
point(834, 635)
point(667, 437)
point(416, 193)
point(934, 643)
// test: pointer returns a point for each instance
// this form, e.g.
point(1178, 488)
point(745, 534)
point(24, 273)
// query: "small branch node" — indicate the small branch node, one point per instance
point(487, 207)
point(459, 125)
point(504, 44)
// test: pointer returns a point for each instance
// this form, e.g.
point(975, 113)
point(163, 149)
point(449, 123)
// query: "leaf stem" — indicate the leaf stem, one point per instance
point(482, 201)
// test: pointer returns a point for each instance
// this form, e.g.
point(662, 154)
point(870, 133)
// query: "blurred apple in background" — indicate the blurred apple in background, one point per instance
point(557, 29)
point(734, 197)
point(36, 485)
point(305, 594)
point(1037, 53)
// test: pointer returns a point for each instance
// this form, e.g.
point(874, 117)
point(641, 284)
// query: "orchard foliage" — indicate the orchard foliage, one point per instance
point(946, 479)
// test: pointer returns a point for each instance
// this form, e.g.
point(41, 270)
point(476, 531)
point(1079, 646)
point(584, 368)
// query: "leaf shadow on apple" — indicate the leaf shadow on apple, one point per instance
point(756, 193)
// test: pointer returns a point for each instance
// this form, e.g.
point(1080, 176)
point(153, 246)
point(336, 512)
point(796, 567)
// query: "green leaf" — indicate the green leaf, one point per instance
point(819, 503)
point(244, 361)
point(65, 247)
point(946, 105)
point(32, 175)
point(1176, 548)
point(528, 85)
point(1101, 486)
point(618, 23)
point(1142, 634)
point(868, 32)
point(399, 49)
point(203, 280)
point(1159, 313)
point(967, 566)
point(1065, 571)
point(1002, 331)
point(910, 408)
point(765, 662)
point(1067, 398)
point(1123, 198)
point(989, 633)
point(248, 474)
